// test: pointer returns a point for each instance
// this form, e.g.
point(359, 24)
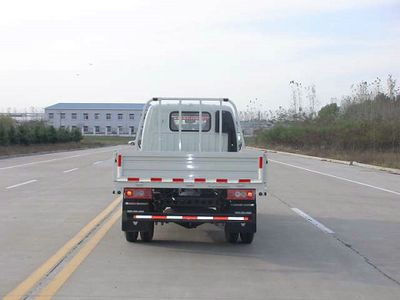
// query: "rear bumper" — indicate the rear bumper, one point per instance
point(236, 223)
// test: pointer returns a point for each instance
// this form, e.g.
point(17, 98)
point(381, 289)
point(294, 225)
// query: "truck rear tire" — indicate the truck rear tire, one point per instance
point(247, 237)
point(147, 236)
point(231, 237)
point(131, 236)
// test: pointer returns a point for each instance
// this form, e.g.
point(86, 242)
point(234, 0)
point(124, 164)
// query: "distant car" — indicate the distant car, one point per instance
point(132, 143)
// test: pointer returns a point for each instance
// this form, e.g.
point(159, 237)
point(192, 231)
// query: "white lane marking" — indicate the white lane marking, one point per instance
point(337, 177)
point(19, 184)
point(317, 224)
point(54, 159)
point(98, 162)
point(70, 170)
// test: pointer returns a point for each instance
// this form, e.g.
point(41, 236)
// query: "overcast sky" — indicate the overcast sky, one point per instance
point(130, 51)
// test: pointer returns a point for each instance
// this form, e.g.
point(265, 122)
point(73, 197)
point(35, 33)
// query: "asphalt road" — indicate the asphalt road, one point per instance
point(350, 249)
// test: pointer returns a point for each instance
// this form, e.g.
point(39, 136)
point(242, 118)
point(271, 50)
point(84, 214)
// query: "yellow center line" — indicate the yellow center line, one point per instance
point(23, 288)
point(57, 282)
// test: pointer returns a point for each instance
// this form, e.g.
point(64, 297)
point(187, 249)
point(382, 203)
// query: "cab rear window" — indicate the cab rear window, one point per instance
point(190, 121)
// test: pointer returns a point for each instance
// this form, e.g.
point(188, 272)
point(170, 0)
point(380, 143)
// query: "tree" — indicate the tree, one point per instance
point(328, 113)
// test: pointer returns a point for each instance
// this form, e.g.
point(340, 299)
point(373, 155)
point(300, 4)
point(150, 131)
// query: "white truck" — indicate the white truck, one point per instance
point(189, 166)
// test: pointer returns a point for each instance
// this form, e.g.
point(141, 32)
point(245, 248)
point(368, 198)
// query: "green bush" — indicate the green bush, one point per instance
point(372, 124)
point(6, 134)
point(76, 135)
point(34, 132)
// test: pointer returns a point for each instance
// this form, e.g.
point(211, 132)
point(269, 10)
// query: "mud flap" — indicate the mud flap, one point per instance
point(241, 227)
point(136, 226)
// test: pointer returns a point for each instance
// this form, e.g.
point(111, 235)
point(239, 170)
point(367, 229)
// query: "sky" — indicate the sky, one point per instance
point(131, 51)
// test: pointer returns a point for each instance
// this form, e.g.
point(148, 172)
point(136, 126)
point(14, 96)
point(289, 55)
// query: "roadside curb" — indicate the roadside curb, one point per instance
point(343, 162)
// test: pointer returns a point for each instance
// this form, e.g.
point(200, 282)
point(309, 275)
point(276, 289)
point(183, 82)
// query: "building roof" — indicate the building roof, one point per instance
point(98, 106)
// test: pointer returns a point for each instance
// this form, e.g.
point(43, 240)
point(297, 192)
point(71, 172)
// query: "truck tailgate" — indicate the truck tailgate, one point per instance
point(177, 167)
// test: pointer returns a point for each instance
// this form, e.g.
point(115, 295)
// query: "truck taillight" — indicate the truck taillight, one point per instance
point(241, 194)
point(138, 193)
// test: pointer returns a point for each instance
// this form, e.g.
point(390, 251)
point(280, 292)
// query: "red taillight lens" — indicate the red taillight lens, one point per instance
point(241, 195)
point(138, 193)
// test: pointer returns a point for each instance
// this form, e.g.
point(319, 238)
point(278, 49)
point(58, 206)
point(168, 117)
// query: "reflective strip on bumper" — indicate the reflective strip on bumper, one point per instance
point(200, 218)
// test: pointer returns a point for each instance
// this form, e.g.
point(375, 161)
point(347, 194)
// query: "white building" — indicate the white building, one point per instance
point(96, 118)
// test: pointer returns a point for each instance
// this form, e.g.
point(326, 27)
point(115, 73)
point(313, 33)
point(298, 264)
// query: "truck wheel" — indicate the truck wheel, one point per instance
point(247, 237)
point(131, 236)
point(147, 236)
point(231, 237)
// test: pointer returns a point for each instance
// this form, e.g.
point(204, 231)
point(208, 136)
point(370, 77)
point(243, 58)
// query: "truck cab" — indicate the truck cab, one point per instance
point(196, 134)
